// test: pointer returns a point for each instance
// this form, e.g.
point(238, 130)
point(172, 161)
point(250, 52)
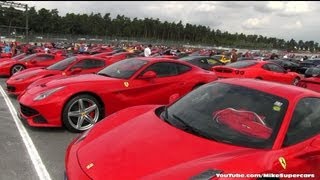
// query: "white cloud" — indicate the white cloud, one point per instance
point(293, 26)
point(295, 8)
point(256, 23)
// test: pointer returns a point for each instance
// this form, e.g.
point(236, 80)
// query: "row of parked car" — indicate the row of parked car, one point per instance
point(167, 118)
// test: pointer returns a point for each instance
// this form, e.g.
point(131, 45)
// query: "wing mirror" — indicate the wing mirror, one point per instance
point(76, 70)
point(148, 75)
point(173, 98)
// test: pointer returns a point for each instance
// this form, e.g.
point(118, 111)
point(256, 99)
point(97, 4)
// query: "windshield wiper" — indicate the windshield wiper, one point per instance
point(193, 130)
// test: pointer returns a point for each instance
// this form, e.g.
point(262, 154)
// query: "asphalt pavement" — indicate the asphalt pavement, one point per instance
point(50, 143)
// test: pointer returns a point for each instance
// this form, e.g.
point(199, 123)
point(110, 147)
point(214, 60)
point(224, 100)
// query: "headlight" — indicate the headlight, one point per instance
point(47, 93)
point(83, 136)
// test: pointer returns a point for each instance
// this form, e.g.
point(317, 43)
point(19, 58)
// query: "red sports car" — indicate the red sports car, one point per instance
point(69, 66)
point(10, 66)
point(17, 57)
point(80, 101)
point(230, 126)
point(312, 83)
point(105, 54)
point(265, 70)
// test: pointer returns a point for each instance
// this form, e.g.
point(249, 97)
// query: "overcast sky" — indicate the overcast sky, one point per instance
point(281, 19)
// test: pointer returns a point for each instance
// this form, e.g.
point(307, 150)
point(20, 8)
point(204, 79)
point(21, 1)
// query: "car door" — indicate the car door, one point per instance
point(300, 153)
point(276, 73)
point(88, 66)
point(43, 60)
point(167, 82)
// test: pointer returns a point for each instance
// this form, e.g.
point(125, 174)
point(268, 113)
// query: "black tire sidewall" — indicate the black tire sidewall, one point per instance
point(65, 120)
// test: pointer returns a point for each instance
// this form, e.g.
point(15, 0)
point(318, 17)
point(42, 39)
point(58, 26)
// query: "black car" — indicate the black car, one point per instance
point(286, 64)
point(312, 72)
point(245, 58)
point(303, 66)
point(204, 62)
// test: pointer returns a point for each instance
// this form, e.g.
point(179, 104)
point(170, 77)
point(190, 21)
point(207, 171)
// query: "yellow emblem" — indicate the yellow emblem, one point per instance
point(89, 166)
point(126, 84)
point(283, 162)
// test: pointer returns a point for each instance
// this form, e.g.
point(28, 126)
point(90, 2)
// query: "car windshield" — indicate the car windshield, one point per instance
point(242, 64)
point(62, 65)
point(123, 69)
point(28, 57)
point(20, 56)
point(230, 114)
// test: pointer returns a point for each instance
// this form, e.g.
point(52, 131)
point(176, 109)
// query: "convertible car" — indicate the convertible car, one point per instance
point(12, 66)
point(81, 100)
point(215, 130)
point(264, 70)
point(67, 67)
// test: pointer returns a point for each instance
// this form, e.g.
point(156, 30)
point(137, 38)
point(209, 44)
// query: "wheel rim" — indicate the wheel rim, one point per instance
point(16, 69)
point(83, 114)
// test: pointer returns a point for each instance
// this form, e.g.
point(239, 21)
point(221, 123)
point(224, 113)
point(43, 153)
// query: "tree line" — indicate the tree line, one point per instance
point(46, 21)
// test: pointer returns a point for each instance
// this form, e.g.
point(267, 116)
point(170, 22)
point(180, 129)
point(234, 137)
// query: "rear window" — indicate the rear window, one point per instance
point(241, 64)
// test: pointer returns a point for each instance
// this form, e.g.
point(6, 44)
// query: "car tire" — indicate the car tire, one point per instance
point(16, 68)
point(81, 113)
point(295, 81)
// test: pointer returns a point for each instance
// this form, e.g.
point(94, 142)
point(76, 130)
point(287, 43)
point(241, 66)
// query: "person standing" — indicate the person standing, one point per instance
point(234, 57)
point(147, 51)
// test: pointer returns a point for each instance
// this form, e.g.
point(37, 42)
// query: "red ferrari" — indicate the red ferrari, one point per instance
point(265, 70)
point(69, 66)
point(312, 83)
point(10, 66)
point(213, 131)
point(80, 101)
point(17, 57)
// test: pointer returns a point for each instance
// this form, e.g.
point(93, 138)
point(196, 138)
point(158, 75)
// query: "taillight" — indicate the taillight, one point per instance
point(241, 72)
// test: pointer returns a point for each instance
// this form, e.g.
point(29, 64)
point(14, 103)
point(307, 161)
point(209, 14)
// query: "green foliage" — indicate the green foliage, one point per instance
point(50, 22)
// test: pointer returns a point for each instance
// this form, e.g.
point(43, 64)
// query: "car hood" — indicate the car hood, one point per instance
point(146, 145)
point(6, 62)
point(75, 80)
point(34, 72)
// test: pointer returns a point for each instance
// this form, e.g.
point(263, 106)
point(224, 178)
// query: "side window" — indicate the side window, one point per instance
point(182, 68)
point(275, 68)
point(44, 57)
point(163, 69)
point(266, 67)
point(89, 64)
point(305, 122)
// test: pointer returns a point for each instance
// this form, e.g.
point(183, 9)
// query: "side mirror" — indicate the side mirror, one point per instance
point(173, 98)
point(76, 70)
point(148, 75)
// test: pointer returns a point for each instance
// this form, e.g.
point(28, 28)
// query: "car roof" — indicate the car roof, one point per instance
point(283, 90)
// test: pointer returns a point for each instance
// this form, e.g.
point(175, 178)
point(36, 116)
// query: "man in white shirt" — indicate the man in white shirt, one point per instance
point(147, 51)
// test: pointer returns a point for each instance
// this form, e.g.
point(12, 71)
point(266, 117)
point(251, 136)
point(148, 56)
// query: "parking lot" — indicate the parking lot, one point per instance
point(29, 153)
